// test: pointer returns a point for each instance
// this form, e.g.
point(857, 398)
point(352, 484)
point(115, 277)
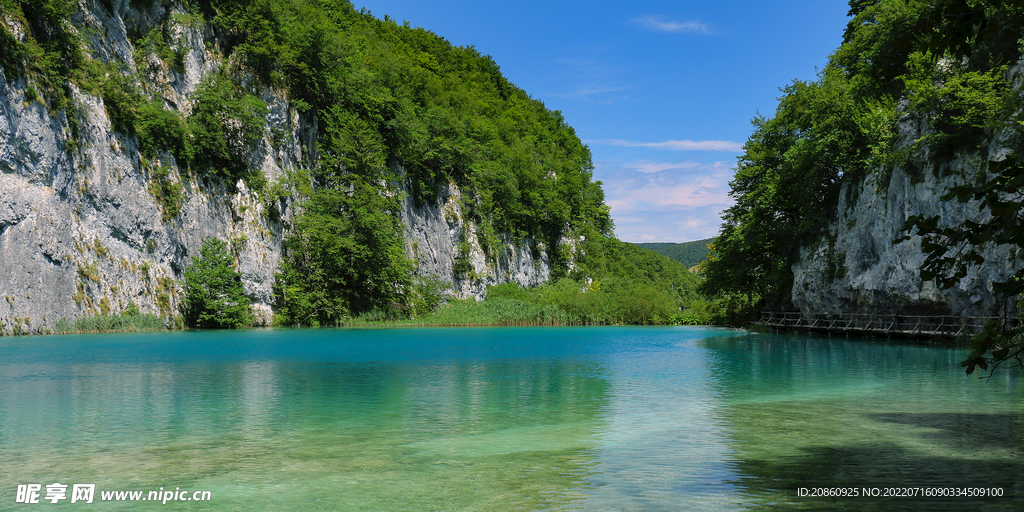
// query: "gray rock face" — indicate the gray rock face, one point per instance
point(81, 232)
point(862, 270)
point(433, 235)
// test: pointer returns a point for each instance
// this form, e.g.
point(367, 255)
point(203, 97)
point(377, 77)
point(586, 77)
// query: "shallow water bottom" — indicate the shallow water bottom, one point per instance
point(619, 418)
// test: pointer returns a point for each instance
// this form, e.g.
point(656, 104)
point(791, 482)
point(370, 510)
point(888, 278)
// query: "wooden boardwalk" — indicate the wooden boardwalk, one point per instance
point(876, 324)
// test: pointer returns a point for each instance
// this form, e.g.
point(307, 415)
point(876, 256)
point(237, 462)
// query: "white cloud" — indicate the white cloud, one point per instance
point(666, 201)
point(655, 23)
point(675, 145)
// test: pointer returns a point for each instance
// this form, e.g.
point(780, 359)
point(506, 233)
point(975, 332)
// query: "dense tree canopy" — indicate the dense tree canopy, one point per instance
point(214, 297)
point(785, 187)
point(387, 93)
point(687, 253)
point(345, 256)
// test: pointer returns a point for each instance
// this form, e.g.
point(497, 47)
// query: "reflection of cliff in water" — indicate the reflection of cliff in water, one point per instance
point(813, 412)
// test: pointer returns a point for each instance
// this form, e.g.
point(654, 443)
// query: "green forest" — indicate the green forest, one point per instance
point(392, 104)
point(946, 63)
point(689, 254)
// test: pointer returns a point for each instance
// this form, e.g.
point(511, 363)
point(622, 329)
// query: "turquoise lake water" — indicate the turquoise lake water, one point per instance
point(601, 418)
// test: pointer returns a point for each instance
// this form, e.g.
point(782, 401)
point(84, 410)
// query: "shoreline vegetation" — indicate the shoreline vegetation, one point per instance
point(131, 320)
point(630, 285)
point(644, 288)
point(562, 304)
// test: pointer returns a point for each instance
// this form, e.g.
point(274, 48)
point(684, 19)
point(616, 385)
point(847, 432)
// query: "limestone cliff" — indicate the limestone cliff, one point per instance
point(433, 237)
point(83, 231)
point(859, 268)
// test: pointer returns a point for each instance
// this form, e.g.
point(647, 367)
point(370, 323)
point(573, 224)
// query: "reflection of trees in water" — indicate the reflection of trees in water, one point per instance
point(745, 364)
point(811, 412)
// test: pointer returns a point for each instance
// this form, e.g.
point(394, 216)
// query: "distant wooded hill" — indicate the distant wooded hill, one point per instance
point(687, 253)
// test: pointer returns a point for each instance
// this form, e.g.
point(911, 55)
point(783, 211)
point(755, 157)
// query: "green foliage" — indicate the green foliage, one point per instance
point(565, 302)
point(121, 96)
point(786, 185)
point(962, 107)
point(876, 44)
point(687, 253)
point(214, 297)
point(52, 59)
point(639, 287)
point(216, 138)
point(605, 257)
point(131, 320)
point(426, 296)
point(63, 326)
point(630, 286)
point(497, 311)
point(52, 51)
point(160, 129)
point(1001, 341)
point(461, 266)
point(390, 104)
point(984, 34)
point(345, 256)
point(170, 194)
point(273, 193)
point(384, 93)
point(883, 35)
point(224, 125)
point(88, 271)
point(967, 99)
point(157, 128)
point(876, 119)
point(12, 54)
point(948, 59)
point(155, 43)
point(947, 62)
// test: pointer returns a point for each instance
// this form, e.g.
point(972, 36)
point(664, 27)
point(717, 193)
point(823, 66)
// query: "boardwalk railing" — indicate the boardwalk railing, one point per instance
point(867, 323)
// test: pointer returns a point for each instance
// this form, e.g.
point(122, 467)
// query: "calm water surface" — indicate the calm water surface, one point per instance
point(609, 418)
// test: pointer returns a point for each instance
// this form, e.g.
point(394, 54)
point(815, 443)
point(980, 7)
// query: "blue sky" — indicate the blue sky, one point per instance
point(662, 92)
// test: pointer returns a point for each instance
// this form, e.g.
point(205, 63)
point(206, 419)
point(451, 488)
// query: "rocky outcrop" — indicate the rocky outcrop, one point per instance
point(83, 231)
point(859, 268)
point(434, 234)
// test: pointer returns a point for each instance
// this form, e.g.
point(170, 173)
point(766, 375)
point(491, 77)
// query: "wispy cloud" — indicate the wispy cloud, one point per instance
point(589, 92)
point(656, 23)
point(685, 198)
point(675, 145)
point(646, 166)
point(592, 80)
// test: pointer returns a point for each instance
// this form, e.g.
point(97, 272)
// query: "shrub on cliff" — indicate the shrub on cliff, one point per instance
point(214, 298)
